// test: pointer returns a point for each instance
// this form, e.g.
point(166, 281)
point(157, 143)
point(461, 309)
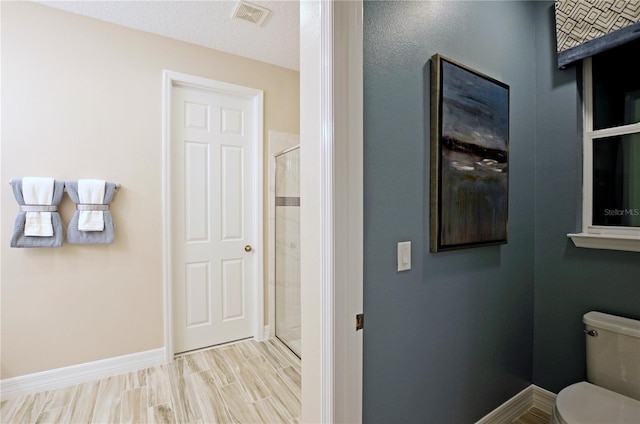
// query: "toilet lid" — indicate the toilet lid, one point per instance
point(586, 403)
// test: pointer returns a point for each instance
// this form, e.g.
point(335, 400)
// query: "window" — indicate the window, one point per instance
point(611, 167)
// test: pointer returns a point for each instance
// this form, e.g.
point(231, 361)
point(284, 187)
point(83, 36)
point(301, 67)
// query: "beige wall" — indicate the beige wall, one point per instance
point(83, 99)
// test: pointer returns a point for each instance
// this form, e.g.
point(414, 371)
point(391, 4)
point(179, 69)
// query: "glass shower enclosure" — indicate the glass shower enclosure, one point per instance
point(287, 250)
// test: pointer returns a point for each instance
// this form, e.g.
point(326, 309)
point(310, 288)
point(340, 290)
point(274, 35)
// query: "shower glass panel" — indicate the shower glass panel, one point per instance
point(287, 264)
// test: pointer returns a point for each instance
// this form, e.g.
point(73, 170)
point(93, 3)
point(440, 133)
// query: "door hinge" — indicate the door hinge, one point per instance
point(359, 322)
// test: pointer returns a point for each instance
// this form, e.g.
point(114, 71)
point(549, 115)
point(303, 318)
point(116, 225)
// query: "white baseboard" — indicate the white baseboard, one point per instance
point(75, 374)
point(267, 332)
point(543, 399)
point(519, 404)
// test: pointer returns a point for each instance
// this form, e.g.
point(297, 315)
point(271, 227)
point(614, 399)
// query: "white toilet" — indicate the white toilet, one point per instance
point(612, 395)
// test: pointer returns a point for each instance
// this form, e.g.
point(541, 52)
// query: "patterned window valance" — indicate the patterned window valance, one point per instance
point(588, 27)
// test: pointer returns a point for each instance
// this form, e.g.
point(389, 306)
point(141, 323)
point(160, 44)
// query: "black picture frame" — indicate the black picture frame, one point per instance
point(469, 157)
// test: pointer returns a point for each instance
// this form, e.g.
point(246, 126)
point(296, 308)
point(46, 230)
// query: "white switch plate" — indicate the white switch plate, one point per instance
point(404, 256)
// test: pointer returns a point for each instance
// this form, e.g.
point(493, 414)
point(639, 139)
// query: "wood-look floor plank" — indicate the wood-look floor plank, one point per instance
point(232, 356)
point(269, 412)
point(132, 409)
point(271, 355)
point(240, 410)
point(59, 397)
point(54, 415)
point(528, 419)
point(292, 377)
point(84, 402)
point(285, 352)
point(247, 349)
point(28, 408)
point(161, 414)
point(540, 413)
point(195, 362)
point(186, 406)
point(135, 379)
point(144, 411)
point(56, 408)
point(253, 386)
point(220, 369)
point(158, 386)
point(107, 408)
point(533, 416)
point(286, 398)
point(9, 409)
point(175, 371)
point(211, 404)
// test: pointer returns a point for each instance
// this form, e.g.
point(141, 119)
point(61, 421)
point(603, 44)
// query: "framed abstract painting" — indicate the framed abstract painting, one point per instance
point(469, 187)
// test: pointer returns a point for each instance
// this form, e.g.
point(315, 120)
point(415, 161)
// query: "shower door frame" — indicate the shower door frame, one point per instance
point(272, 238)
point(278, 143)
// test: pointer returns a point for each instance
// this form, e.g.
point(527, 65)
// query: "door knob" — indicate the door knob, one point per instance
point(248, 248)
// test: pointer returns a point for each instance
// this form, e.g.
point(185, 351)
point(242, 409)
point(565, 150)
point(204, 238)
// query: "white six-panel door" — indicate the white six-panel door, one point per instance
point(212, 206)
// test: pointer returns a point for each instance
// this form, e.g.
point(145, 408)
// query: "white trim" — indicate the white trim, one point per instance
point(543, 399)
point(508, 412)
point(81, 373)
point(310, 124)
point(171, 79)
point(167, 83)
point(258, 214)
point(348, 211)
point(594, 236)
point(615, 131)
point(513, 408)
point(328, 88)
point(606, 241)
point(327, 229)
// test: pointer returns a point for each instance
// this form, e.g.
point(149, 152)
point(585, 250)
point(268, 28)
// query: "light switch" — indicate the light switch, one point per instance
point(404, 256)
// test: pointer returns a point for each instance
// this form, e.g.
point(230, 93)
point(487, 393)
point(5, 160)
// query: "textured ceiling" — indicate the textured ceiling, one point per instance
point(206, 23)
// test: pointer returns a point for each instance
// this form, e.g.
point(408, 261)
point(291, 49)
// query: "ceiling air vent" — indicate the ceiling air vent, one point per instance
point(251, 13)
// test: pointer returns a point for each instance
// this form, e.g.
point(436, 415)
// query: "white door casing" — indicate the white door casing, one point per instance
point(213, 209)
point(331, 144)
point(348, 210)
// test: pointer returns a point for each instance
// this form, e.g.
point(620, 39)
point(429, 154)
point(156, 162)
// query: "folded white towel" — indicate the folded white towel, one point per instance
point(91, 192)
point(38, 191)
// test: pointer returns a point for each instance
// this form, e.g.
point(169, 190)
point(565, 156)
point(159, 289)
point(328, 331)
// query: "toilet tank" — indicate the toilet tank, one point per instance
point(613, 353)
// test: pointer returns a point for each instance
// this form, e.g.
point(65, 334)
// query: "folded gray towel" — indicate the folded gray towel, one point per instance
point(74, 235)
point(18, 239)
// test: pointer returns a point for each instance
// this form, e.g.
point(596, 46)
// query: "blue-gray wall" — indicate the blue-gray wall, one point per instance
point(568, 281)
point(451, 339)
point(463, 331)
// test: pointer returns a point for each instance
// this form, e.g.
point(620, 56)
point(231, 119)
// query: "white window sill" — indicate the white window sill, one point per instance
point(606, 241)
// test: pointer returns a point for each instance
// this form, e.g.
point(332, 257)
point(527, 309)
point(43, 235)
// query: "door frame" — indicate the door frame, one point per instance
point(171, 79)
point(331, 168)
